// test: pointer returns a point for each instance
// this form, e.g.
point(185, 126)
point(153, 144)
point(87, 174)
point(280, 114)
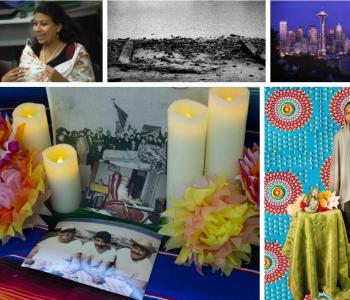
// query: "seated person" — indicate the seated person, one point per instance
point(134, 263)
point(123, 192)
point(118, 191)
point(56, 254)
point(97, 256)
point(54, 55)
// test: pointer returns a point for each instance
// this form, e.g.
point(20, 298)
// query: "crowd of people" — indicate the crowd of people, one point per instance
point(90, 145)
point(66, 255)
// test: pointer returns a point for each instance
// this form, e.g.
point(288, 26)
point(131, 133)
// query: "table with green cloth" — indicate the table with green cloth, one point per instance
point(319, 256)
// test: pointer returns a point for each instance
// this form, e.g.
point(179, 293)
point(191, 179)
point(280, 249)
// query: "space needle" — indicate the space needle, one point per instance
point(322, 16)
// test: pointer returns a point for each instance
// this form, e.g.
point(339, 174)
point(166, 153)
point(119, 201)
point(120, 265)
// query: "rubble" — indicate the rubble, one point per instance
point(169, 57)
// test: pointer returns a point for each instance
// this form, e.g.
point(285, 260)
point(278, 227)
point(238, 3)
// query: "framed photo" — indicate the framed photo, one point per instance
point(126, 192)
point(112, 256)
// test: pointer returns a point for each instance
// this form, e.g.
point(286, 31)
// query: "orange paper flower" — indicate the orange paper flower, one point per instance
point(21, 181)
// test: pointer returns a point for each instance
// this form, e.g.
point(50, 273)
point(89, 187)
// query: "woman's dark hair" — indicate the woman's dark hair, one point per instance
point(68, 33)
point(346, 104)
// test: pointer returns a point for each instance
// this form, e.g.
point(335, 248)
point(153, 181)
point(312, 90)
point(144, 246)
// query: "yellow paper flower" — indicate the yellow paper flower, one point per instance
point(213, 225)
point(323, 197)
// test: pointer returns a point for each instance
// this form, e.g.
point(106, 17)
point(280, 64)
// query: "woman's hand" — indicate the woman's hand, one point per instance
point(14, 75)
point(53, 75)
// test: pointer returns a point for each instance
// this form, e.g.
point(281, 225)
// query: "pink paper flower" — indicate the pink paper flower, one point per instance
point(250, 173)
point(10, 185)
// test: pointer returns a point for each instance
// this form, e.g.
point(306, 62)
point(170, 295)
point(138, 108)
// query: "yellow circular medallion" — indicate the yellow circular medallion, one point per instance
point(278, 192)
point(288, 109)
point(267, 262)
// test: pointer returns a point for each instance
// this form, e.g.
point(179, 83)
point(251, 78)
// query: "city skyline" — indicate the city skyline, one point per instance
point(326, 41)
point(338, 13)
point(306, 29)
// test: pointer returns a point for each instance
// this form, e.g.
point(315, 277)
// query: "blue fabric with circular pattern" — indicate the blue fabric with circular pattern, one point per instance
point(302, 152)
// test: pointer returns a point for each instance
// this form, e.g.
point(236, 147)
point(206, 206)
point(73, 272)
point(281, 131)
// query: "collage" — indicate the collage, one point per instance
point(174, 149)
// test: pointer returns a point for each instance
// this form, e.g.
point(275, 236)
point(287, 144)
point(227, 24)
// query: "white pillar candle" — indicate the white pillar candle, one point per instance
point(187, 123)
point(36, 132)
point(227, 118)
point(61, 167)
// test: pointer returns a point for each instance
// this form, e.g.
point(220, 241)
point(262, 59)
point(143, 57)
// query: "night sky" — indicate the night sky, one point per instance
point(303, 13)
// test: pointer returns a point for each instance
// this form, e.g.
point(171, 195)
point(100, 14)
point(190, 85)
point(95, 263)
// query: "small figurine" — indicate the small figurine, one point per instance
point(311, 200)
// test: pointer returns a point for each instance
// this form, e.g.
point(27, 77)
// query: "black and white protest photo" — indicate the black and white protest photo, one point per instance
point(186, 40)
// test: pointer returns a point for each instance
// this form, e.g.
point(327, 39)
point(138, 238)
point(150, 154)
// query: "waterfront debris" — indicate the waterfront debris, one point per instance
point(186, 59)
point(248, 46)
point(126, 53)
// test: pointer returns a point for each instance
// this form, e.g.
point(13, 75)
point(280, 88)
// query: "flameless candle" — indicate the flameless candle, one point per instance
point(227, 118)
point(187, 123)
point(36, 132)
point(61, 167)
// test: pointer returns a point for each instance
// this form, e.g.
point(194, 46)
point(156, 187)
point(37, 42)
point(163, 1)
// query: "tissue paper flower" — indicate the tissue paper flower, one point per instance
point(250, 173)
point(323, 197)
point(214, 225)
point(333, 201)
point(21, 181)
point(5, 130)
point(295, 207)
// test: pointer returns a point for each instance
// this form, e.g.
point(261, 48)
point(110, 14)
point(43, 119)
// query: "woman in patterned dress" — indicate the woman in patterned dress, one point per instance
point(54, 55)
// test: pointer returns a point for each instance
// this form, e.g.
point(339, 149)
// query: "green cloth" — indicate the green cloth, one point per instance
point(319, 257)
point(84, 213)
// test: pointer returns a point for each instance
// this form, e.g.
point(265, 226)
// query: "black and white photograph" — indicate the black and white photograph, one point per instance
point(123, 133)
point(215, 41)
point(112, 256)
point(126, 193)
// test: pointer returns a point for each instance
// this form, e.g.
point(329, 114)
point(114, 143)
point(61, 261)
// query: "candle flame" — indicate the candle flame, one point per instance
point(59, 160)
point(188, 115)
point(229, 98)
point(29, 116)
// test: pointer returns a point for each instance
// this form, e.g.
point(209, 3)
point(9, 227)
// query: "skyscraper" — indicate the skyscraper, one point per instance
point(313, 35)
point(322, 16)
point(338, 32)
point(330, 44)
point(313, 45)
point(300, 34)
point(339, 39)
point(346, 45)
point(331, 34)
point(292, 36)
point(283, 30)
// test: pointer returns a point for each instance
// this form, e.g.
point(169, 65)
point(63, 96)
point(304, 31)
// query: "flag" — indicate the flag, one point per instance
point(122, 116)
